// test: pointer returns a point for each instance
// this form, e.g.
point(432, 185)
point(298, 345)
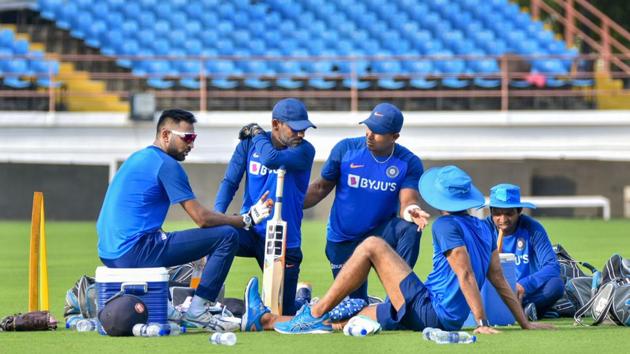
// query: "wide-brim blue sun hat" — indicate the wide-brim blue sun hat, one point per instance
point(507, 196)
point(450, 189)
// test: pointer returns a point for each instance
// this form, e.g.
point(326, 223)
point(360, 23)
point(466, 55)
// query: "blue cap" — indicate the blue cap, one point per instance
point(384, 119)
point(449, 188)
point(507, 196)
point(292, 112)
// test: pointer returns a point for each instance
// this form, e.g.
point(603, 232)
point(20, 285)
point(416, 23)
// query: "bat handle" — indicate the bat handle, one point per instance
point(500, 241)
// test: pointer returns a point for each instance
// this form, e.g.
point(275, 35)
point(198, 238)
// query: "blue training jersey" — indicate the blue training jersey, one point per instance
point(258, 159)
point(367, 191)
point(536, 261)
point(138, 198)
point(449, 232)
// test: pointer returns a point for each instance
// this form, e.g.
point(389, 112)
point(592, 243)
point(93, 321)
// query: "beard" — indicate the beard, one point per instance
point(290, 142)
point(176, 154)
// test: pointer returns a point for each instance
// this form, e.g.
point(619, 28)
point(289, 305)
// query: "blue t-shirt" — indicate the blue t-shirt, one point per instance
point(536, 262)
point(366, 190)
point(138, 199)
point(259, 159)
point(449, 232)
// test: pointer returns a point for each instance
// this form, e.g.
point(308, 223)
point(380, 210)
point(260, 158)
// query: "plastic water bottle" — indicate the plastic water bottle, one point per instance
point(176, 329)
point(86, 325)
point(443, 337)
point(356, 330)
point(226, 338)
point(71, 322)
point(151, 330)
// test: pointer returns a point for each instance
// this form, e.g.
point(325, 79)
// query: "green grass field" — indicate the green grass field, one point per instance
point(72, 252)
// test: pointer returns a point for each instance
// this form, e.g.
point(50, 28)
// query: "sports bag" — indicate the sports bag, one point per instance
point(577, 283)
point(612, 299)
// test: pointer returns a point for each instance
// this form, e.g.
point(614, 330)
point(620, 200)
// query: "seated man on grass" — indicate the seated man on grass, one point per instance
point(538, 284)
point(465, 255)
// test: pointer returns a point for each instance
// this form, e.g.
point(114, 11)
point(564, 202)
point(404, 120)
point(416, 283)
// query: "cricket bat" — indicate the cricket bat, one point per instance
point(275, 246)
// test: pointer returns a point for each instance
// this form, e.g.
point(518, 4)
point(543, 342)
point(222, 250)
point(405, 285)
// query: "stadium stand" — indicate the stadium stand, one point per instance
point(178, 49)
point(22, 67)
point(362, 30)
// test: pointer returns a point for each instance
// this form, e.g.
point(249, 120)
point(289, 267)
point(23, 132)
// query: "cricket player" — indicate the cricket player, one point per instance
point(376, 183)
point(464, 256)
point(258, 155)
point(129, 226)
point(538, 284)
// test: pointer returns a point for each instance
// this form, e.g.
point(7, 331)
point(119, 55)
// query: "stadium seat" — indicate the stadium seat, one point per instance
point(342, 28)
point(289, 69)
point(43, 69)
point(254, 70)
point(13, 70)
point(387, 71)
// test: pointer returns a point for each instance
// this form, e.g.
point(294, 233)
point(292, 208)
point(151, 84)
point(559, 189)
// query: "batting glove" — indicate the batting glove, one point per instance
point(261, 210)
point(249, 131)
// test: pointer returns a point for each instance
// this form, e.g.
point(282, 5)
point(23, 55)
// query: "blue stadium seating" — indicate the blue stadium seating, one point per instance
point(20, 67)
point(291, 28)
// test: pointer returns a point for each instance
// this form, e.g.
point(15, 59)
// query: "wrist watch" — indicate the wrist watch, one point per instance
point(247, 220)
point(483, 323)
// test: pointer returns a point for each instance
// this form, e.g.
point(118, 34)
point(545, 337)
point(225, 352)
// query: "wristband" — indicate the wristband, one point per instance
point(407, 212)
point(483, 323)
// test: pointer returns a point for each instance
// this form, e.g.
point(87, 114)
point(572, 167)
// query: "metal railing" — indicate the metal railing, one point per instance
point(512, 69)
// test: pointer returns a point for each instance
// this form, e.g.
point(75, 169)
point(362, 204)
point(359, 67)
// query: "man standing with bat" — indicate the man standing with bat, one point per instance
point(376, 183)
point(259, 155)
point(538, 284)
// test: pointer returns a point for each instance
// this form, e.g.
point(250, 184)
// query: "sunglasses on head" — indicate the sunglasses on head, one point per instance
point(186, 137)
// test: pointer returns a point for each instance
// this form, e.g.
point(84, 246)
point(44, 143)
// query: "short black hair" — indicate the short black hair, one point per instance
point(177, 115)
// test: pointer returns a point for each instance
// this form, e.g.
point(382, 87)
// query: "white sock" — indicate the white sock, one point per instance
point(197, 306)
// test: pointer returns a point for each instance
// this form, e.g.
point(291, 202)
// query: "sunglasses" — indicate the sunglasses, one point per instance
point(186, 137)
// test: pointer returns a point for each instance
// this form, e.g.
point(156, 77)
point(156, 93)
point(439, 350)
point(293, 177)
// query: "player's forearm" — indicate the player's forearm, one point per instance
point(210, 219)
point(509, 298)
point(317, 191)
point(470, 290)
point(298, 158)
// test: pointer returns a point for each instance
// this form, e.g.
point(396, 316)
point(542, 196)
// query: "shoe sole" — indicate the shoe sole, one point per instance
point(245, 314)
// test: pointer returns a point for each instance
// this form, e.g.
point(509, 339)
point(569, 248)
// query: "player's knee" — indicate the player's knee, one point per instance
point(372, 244)
point(230, 239)
point(555, 288)
point(408, 230)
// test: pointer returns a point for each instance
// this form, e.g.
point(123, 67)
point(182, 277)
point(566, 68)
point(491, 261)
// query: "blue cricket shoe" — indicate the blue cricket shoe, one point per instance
point(304, 323)
point(254, 308)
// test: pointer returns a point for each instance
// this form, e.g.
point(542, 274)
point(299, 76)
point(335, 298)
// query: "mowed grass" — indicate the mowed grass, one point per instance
point(72, 252)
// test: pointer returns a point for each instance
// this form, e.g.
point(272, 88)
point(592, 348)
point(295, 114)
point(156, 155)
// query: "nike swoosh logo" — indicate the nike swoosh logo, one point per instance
point(255, 155)
point(356, 166)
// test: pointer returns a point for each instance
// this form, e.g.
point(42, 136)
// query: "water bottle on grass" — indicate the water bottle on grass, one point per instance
point(86, 325)
point(443, 337)
point(226, 338)
point(151, 330)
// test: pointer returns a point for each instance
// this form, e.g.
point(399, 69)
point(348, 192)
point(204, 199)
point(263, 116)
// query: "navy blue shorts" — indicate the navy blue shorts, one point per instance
point(417, 312)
